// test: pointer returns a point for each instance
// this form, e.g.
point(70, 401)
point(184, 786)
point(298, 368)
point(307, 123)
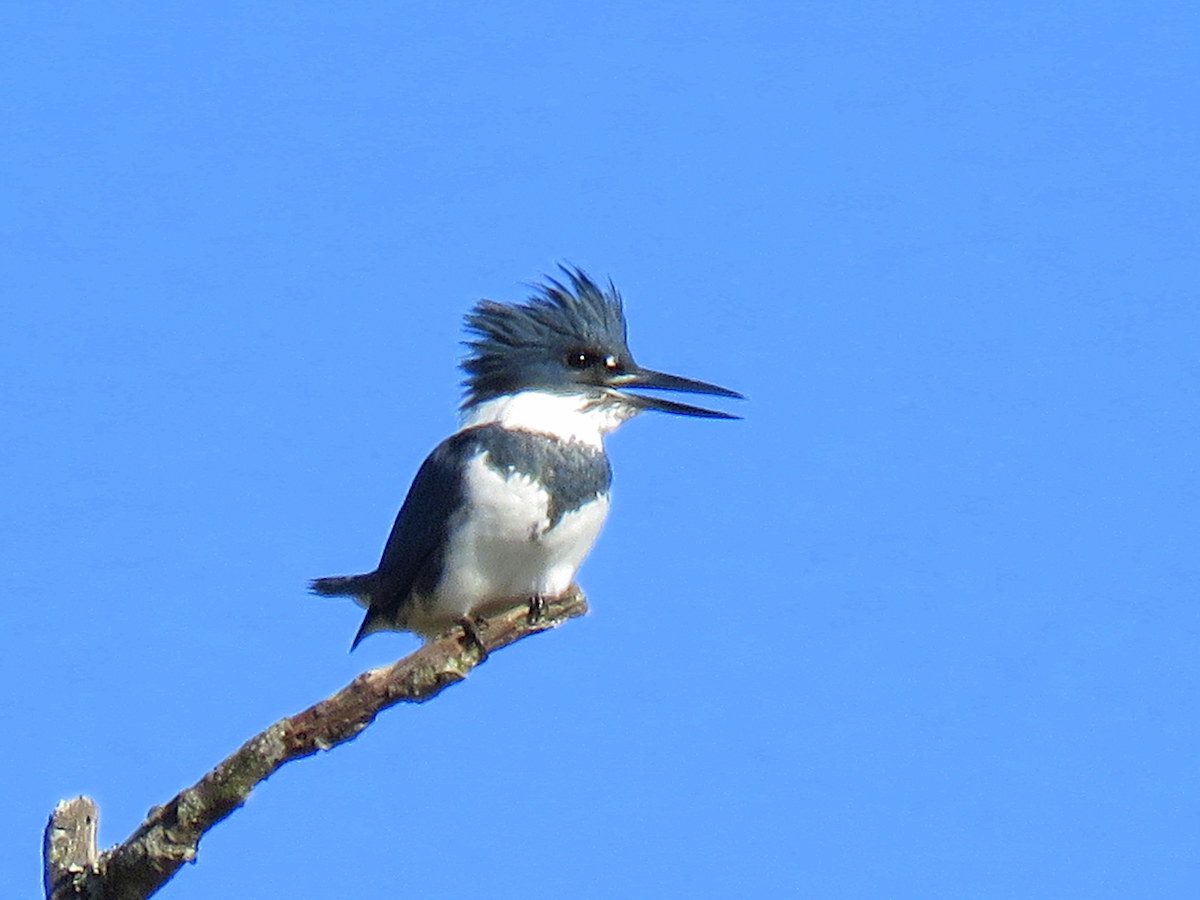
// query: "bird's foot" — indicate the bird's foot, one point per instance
point(472, 634)
point(537, 608)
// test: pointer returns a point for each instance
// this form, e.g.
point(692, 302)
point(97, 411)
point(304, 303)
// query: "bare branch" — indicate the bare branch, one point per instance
point(171, 833)
point(70, 847)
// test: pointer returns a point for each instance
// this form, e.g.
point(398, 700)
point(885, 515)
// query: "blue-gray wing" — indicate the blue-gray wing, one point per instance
point(412, 556)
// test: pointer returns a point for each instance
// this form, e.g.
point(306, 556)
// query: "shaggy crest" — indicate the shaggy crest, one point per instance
point(517, 344)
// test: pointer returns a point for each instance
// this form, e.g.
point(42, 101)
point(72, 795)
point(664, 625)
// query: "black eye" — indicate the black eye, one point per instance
point(580, 359)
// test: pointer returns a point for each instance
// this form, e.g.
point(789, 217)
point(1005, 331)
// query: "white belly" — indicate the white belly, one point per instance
point(504, 549)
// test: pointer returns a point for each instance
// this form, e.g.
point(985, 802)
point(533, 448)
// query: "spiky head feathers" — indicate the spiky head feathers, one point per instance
point(566, 336)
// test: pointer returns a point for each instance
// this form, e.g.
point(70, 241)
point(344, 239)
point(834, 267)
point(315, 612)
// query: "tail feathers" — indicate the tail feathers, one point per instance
point(342, 585)
point(373, 622)
point(360, 588)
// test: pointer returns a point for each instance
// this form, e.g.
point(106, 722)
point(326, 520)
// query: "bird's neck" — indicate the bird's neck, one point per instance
point(566, 417)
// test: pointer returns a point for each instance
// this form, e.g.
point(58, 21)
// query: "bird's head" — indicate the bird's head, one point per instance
point(568, 338)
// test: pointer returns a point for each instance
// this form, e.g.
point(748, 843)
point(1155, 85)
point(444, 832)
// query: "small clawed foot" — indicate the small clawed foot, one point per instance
point(472, 634)
point(537, 608)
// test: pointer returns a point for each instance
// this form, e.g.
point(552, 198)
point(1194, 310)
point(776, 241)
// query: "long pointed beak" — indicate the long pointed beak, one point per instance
point(661, 381)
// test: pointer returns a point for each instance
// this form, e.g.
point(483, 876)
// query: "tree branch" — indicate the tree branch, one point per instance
point(69, 850)
point(170, 835)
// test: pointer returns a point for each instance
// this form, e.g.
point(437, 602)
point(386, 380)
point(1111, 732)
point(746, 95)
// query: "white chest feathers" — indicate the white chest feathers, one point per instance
point(509, 543)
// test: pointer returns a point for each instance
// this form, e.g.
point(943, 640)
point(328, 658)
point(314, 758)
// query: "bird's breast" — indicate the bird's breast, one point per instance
point(527, 521)
point(560, 505)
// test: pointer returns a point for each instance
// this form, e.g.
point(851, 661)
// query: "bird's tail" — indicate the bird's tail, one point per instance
point(360, 588)
point(343, 585)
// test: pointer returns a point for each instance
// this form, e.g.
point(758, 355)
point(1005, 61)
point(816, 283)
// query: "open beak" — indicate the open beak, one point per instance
point(661, 381)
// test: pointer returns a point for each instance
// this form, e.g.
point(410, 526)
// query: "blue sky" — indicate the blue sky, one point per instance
point(923, 624)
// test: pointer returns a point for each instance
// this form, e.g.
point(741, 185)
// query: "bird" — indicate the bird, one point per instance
point(504, 511)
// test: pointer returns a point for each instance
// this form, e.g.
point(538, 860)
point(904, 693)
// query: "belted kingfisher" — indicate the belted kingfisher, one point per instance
point(504, 511)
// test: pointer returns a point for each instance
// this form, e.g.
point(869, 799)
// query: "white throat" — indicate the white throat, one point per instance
point(568, 417)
